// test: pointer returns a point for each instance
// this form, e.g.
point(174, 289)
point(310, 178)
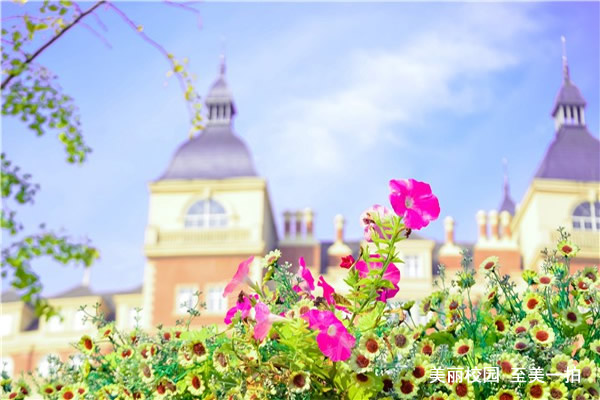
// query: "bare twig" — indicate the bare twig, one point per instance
point(97, 34)
point(53, 39)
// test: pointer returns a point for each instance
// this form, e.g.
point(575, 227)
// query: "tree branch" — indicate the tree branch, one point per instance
point(54, 38)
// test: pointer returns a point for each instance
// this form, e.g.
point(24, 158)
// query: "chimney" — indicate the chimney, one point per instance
point(85, 280)
point(287, 224)
point(493, 219)
point(505, 223)
point(481, 223)
point(308, 221)
point(449, 229)
point(338, 223)
point(298, 224)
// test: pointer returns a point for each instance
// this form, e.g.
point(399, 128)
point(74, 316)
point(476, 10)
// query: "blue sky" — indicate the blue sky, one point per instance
point(334, 100)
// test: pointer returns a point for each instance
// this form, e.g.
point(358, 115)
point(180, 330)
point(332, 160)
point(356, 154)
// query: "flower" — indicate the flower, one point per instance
point(347, 261)
point(370, 345)
point(360, 363)
point(244, 306)
point(508, 364)
point(146, 373)
point(68, 393)
point(521, 344)
point(401, 339)
point(328, 290)
point(426, 347)
point(591, 273)
point(373, 220)
point(48, 389)
point(561, 364)
point(532, 302)
point(558, 390)
point(198, 350)
point(463, 347)
point(546, 280)
point(125, 352)
point(272, 257)
point(221, 360)
point(582, 284)
point(587, 370)
point(299, 381)
point(567, 249)
point(392, 274)
point(506, 394)
point(308, 282)
point(542, 335)
point(106, 330)
point(572, 317)
point(489, 264)
point(406, 387)
point(87, 344)
point(536, 390)
point(414, 201)
point(333, 338)
point(533, 319)
point(595, 346)
point(239, 277)
point(264, 321)
point(194, 383)
point(147, 351)
point(420, 371)
point(463, 390)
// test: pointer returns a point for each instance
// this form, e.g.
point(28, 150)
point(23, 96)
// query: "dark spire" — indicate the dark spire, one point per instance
point(507, 202)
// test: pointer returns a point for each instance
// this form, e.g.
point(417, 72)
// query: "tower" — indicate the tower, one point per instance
point(208, 212)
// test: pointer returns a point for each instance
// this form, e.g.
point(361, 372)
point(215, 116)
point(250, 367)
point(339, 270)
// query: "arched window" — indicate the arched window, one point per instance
point(206, 214)
point(586, 217)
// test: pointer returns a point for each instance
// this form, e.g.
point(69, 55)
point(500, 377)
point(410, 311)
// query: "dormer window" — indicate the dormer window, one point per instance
point(586, 217)
point(6, 324)
point(206, 214)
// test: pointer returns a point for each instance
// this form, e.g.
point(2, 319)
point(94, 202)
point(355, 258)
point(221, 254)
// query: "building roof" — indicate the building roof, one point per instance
point(77, 291)
point(574, 154)
point(568, 95)
point(217, 153)
point(9, 296)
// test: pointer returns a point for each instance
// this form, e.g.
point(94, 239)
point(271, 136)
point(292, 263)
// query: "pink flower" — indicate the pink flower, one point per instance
point(347, 261)
point(244, 306)
point(370, 218)
point(333, 338)
point(264, 321)
point(308, 283)
point(239, 277)
point(392, 274)
point(414, 201)
point(328, 290)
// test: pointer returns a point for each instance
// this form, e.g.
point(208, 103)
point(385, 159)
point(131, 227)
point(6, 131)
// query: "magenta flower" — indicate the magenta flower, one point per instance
point(392, 274)
point(264, 321)
point(244, 306)
point(369, 218)
point(414, 201)
point(308, 283)
point(333, 338)
point(239, 277)
point(328, 290)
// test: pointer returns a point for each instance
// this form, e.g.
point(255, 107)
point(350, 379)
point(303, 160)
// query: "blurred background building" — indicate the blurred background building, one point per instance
point(211, 209)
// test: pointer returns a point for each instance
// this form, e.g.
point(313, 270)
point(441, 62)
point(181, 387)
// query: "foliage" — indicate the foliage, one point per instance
point(31, 93)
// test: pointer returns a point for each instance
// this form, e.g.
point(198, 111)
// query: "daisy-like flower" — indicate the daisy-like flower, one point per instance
point(184, 356)
point(572, 317)
point(593, 390)
point(506, 394)
point(221, 360)
point(561, 363)
point(146, 373)
point(546, 280)
point(68, 393)
point(591, 273)
point(194, 383)
point(586, 300)
point(360, 363)
point(401, 339)
point(582, 284)
point(558, 390)
point(453, 303)
point(414, 202)
point(489, 264)
point(492, 295)
point(106, 330)
point(370, 346)
point(463, 347)
point(125, 352)
point(406, 387)
point(299, 382)
point(421, 369)
point(462, 390)
point(164, 389)
point(501, 324)
point(532, 302)
point(81, 390)
point(271, 257)
point(537, 390)
point(438, 396)
point(198, 350)
point(425, 306)
point(147, 351)
point(522, 344)
point(86, 344)
point(48, 389)
point(542, 335)
point(595, 346)
point(531, 320)
point(587, 370)
point(580, 394)
point(300, 308)
point(426, 347)
point(240, 276)
point(508, 364)
point(567, 249)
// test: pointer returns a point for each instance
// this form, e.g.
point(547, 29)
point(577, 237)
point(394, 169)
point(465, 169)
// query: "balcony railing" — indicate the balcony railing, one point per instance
point(197, 237)
point(588, 241)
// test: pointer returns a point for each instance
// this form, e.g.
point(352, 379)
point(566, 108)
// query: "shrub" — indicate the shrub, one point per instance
point(285, 341)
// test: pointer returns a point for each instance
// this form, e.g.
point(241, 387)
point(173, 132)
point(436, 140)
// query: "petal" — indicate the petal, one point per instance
point(429, 207)
point(419, 189)
point(240, 275)
point(392, 274)
point(328, 290)
point(414, 220)
point(398, 202)
point(400, 185)
point(362, 268)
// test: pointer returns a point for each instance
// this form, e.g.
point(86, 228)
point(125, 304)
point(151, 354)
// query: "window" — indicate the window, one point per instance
point(215, 302)
point(80, 322)
point(185, 299)
point(76, 360)
point(206, 214)
point(6, 324)
point(55, 324)
point(133, 314)
point(586, 217)
point(412, 266)
point(7, 365)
